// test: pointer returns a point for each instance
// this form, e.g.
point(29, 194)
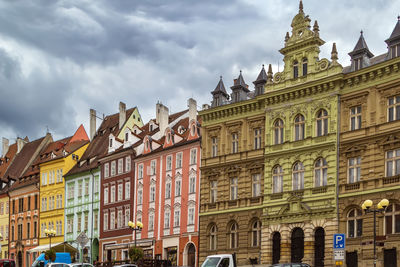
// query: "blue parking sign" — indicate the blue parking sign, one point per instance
point(339, 241)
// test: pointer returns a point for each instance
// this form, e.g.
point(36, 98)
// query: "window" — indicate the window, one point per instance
point(70, 223)
point(256, 185)
point(152, 193)
point(256, 234)
point(192, 184)
point(140, 171)
point(168, 190)
point(392, 162)
point(354, 223)
point(177, 188)
point(166, 218)
point(177, 216)
point(153, 167)
point(298, 176)
point(19, 234)
point(277, 179)
point(394, 108)
point(179, 160)
point(112, 220)
point(96, 184)
point(214, 146)
point(79, 227)
point(278, 132)
point(304, 66)
point(322, 122)
point(321, 172)
point(86, 187)
point(120, 166)
point(193, 156)
point(59, 201)
point(127, 216)
point(299, 127)
point(111, 142)
point(151, 222)
point(295, 69)
point(105, 225)
point(357, 63)
point(112, 197)
point(233, 236)
point(213, 237)
point(213, 191)
point(191, 216)
point(140, 197)
point(113, 168)
point(169, 163)
point(106, 170)
point(106, 195)
point(44, 178)
point(36, 203)
point(34, 229)
point(1, 208)
point(120, 188)
point(71, 187)
point(354, 169)
point(257, 138)
point(79, 188)
point(395, 51)
point(392, 219)
point(28, 230)
point(96, 220)
point(234, 188)
point(119, 219)
point(235, 142)
point(86, 225)
point(355, 118)
point(127, 190)
point(128, 164)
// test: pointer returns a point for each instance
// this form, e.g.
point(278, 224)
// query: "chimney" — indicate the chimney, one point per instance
point(20, 144)
point(162, 117)
point(92, 123)
point(192, 104)
point(5, 146)
point(122, 114)
point(205, 106)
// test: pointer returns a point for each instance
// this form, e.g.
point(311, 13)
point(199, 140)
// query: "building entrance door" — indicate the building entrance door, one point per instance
point(319, 247)
point(389, 258)
point(19, 258)
point(276, 247)
point(191, 255)
point(297, 245)
point(351, 259)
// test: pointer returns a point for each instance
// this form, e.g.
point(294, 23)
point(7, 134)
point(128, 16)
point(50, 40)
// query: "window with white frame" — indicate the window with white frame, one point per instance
point(321, 172)
point(256, 184)
point(86, 187)
point(140, 171)
point(392, 162)
point(177, 188)
point(128, 164)
point(214, 146)
point(70, 223)
point(106, 195)
point(193, 156)
point(151, 221)
point(233, 235)
point(71, 187)
point(112, 220)
point(177, 216)
point(168, 190)
point(120, 166)
point(105, 223)
point(113, 170)
point(299, 126)
point(322, 122)
point(120, 191)
point(278, 132)
point(179, 160)
point(119, 219)
point(233, 188)
point(127, 190)
point(298, 176)
point(392, 219)
point(354, 223)
point(256, 234)
point(213, 237)
point(354, 169)
point(79, 226)
point(86, 221)
point(167, 218)
point(394, 108)
point(153, 167)
point(257, 138)
point(127, 216)
point(80, 188)
point(96, 184)
point(112, 197)
point(44, 178)
point(152, 193)
point(106, 170)
point(191, 216)
point(213, 191)
point(140, 197)
point(277, 179)
point(192, 184)
point(355, 118)
point(235, 142)
point(169, 163)
point(96, 220)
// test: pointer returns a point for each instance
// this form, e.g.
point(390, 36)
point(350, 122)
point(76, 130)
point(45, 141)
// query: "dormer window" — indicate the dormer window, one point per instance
point(305, 61)
point(151, 128)
point(357, 63)
point(168, 137)
point(395, 51)
point(111, 142)
point(126, 136)
point(295, 69)
point(193, 129)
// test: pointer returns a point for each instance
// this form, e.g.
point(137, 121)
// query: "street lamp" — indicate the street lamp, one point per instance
point(381, 207)
point(50, 233)
point(135, 227)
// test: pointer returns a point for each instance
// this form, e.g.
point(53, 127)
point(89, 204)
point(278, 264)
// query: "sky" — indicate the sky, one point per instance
point(58, 59)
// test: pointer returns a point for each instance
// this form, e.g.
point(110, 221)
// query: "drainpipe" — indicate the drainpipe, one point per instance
point(337, 161)
point(91, 232)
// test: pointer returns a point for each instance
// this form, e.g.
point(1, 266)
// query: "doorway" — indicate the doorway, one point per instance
point(351, 259)
point(191, 254)
point(319, 247)
point(297, 246)
point(276, 247)
point(389, 258)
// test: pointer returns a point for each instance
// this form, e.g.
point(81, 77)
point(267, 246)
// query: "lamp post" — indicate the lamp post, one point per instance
point(50, 233)
point(381, 207)
point(135, 227)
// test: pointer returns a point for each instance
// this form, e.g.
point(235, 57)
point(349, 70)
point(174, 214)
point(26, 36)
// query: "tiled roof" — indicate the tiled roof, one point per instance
point(220, 88)
point(396, 31)
point(361, 46)
point(7, 160)
point(372, 61)
point(262, 77)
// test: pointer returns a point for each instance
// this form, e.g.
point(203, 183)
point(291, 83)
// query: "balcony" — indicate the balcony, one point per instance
point(352, 186)
point(319, 190)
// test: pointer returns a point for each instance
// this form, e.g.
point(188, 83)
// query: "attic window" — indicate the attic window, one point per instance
point(126, 136)
point(134, 116)
point(134, 131)
point(138, 118)
point(151, 128)
point(357, 64)
point(181, 129)
point(168, 137)
point(395, 51)
point(111, 142)
point(193, 128)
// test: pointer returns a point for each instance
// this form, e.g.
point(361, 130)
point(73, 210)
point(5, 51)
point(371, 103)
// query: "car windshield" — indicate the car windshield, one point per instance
point(211, 262)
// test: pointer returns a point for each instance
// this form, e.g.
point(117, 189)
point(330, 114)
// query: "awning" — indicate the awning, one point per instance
point(58, 247)
point(116, 246)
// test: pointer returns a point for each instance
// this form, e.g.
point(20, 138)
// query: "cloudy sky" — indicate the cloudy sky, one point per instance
point(58, 59)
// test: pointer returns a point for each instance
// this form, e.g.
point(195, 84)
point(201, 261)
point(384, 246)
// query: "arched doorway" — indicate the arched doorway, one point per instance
point(276, 247)
point(191, 255)
point(19, 259)
point(95, 250)
point(297, 246)
point(319, 247)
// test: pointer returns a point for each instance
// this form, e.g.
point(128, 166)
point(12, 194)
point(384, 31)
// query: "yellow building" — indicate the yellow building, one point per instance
point(56, 160)
point(4, 219)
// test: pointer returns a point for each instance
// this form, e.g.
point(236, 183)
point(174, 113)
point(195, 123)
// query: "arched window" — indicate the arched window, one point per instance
point(298, 176)
point(392, 219)
point(321, 172)
point(354, 223)
point(305, 61)
point(295, 69)
point(277, 179)
point(299, 127)
point(322, 122)
point(256, 234)
point(213, 237)
point(278, 131)
point(297, 245)
point(233, 235)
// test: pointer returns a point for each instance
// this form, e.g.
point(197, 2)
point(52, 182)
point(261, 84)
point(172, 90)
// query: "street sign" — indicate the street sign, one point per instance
point(82, 239)
point(339, 241)
point(338, 254)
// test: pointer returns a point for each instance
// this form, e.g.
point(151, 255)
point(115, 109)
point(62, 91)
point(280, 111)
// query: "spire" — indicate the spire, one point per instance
point(287, 36)
point(269, 76)
point(239, 83)
point(395, 34)
point(334, 54)
point(220, 88)
point(361, 47)
point(260, 82)
point(316, 28)
point(301, 7)
point(262, 76)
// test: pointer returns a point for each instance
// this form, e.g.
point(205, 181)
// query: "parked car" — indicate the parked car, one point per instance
point(125, 265)
point(290, 265)
point(78, 264)
point(61, 258)
point(7, 263)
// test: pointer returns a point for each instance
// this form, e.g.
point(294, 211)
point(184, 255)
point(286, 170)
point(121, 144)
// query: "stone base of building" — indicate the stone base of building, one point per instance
point(115, 249)
point(363, 255)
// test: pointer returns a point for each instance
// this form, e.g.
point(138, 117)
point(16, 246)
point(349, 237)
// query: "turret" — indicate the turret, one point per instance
point(394, 41)
point(220, 96)
point(360, 56)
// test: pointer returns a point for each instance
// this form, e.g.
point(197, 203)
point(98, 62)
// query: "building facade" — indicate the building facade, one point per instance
point(370, 153)
point(167, 172)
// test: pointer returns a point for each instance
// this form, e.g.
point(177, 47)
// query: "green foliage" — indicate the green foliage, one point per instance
point(50, 255)
point(135, 254)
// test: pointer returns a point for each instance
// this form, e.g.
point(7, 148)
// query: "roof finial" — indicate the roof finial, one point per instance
point(334, 54)
point(287, 36)
point(316, 28)
point(301, 6)
point(220, 77)
point(398, 17)
point(263, 65)
point(240, 71)
point(361, 32)
point(269, 75)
